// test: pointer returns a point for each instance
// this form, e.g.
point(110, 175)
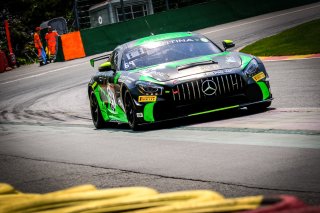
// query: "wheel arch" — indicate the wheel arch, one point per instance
point(89, 90)
point(123, 89)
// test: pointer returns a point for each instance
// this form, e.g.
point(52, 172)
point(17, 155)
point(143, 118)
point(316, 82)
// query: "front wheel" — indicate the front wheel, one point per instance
point(130, 111)
point(95, 112)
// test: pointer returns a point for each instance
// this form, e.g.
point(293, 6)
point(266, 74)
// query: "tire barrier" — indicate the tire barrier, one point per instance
point(87, 198)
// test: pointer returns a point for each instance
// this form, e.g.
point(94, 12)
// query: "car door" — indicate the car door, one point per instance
point(110, 90)
point(105, 81)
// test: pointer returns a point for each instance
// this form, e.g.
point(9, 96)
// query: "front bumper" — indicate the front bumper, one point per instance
point(188, 99)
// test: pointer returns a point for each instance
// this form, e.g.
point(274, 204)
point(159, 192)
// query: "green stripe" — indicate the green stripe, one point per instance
point(116, 77)
point(148, 112)
point(118, 115)
point(103, 107)
point(245, 59)
point(264, 89)
point(149, 79)
point(214, 110)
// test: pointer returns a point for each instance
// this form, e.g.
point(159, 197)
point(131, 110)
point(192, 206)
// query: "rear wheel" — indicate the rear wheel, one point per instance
point(95, 112)
point(130, 111)
point(259, 107)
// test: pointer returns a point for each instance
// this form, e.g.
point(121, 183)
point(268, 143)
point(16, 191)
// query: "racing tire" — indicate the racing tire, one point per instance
point(260, 107)
point(96, 115)
point(130, 111)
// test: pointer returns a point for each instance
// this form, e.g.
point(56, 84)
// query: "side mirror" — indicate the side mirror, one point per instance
point(106, 66)
point(228, 44)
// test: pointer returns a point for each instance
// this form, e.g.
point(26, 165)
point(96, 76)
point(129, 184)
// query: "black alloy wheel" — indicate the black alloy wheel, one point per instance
point(130, 111)
point(95, 112)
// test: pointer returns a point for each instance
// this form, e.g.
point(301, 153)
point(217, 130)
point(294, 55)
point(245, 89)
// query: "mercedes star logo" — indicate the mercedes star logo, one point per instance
point(209, 87)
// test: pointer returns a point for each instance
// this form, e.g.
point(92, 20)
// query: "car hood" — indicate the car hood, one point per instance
point(191, 66)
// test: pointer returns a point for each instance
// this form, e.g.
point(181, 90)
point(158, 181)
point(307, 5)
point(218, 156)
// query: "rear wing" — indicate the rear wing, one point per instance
point(107, 56)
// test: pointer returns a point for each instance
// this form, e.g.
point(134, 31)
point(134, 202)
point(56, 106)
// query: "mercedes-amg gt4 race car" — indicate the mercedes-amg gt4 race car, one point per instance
point(174, 75)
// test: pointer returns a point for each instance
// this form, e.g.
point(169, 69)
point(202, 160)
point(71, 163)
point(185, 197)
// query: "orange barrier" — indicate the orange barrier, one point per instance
point(72, 46)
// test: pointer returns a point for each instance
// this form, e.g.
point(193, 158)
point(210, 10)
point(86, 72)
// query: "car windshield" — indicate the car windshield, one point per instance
point(158, 52)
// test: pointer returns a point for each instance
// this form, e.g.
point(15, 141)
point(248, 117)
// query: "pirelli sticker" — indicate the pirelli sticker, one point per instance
point(147, 98)
point(259, 76)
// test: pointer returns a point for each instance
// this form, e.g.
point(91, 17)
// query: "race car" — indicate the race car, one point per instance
point(174, 75)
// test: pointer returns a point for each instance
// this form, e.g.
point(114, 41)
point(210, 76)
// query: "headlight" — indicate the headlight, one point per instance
point(148, 88)
point(252, 68)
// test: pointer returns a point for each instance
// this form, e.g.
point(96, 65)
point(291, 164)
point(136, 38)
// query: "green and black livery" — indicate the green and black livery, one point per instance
point(174, 75)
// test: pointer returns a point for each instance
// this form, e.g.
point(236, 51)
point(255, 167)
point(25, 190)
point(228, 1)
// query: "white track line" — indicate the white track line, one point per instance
point(263, 19)
point(44, 73)
point(288, 59)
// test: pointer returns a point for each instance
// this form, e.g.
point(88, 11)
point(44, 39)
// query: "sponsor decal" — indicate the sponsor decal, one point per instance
point(209, 67)
point(130, 64)
point(147, 98)
point(111, 97)
point(161, 75)
point(139, 115)
point(181, 40)
point(120, 103)
point(201, 69)
point(209, 87)
point(148, 70)
point(230, 60)
point(204, 40)
point(259, 76)
point(228, 70)
point(218, 72)
point(126, 79)
point(135, 53)
point(175, 91)
point(174, 41)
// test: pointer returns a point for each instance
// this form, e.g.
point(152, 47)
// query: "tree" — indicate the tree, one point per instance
point(24, 16)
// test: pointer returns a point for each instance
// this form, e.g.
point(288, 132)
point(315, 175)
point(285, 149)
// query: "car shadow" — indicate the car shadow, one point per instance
point(187, 121)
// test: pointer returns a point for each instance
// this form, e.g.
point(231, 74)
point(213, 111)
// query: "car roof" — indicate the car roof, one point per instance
point(158, 37)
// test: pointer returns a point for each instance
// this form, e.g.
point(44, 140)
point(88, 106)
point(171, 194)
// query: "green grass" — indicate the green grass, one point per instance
point(300, 40)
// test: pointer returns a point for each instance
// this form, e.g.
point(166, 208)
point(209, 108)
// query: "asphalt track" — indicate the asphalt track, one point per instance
point(47, 140)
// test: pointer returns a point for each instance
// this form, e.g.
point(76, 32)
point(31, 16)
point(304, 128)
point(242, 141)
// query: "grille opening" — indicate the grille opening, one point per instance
point(208, 88)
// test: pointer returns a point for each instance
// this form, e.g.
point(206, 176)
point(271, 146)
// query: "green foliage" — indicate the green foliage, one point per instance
point(300, 40)
point(24, 16)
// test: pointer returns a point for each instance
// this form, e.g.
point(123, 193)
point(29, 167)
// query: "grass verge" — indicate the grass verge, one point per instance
point(300, 40)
